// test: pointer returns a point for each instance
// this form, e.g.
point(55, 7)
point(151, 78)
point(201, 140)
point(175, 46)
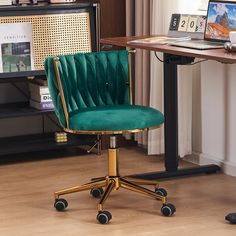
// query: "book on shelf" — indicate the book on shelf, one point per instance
point(37, 89)
point(41, 105)
point(16, 53)
point(5, 2)
point(160, 40)
point(25, 2)
point(41, 97)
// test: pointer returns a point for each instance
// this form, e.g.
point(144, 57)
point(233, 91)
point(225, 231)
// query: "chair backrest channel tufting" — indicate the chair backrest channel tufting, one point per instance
point(89, 80)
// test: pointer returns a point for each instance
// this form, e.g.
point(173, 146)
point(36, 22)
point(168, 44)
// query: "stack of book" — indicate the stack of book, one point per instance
point(25, 2)
point(5, 2)
point(39, 95)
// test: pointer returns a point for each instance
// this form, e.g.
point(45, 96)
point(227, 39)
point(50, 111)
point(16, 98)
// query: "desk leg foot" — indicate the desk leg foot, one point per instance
point(207, 169)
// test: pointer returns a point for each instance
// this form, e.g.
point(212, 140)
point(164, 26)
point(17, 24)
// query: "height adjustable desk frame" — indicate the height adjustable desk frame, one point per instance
point(172, 57)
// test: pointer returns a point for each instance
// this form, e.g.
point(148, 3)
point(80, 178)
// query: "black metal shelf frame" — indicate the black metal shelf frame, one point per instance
point(13, 110)
point(44, 141)
point(41, 142)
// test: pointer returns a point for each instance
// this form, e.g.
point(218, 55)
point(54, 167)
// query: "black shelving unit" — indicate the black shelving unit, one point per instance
point(42, 141)
point(20, 76)
point(11, 110)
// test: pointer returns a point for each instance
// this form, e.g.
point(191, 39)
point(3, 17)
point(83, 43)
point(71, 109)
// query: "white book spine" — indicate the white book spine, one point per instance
point(5, 2)
point(38, 89)
point(41, 97)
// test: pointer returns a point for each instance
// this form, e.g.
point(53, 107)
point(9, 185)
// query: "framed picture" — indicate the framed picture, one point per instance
point(16, 53)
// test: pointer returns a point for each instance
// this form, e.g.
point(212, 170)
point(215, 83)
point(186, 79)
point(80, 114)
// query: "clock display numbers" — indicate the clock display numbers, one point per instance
point(187, 23)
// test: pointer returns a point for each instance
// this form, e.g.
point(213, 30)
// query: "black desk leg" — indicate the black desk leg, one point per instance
point(171, 114)
point(171, 63)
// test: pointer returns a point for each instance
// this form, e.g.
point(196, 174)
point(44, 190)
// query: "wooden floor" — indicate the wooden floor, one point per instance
point(26, 200)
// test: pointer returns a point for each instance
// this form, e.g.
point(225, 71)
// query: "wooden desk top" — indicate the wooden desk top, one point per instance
point(211, 54)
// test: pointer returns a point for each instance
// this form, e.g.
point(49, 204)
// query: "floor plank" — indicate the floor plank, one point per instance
point(26, 206)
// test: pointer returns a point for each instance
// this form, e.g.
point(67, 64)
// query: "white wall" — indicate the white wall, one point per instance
point(214, 114)
point(213, 110)
point(230, 127)
point(218, 114)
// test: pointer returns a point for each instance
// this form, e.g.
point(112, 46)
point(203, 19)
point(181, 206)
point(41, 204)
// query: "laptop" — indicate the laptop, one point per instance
point(221, 19)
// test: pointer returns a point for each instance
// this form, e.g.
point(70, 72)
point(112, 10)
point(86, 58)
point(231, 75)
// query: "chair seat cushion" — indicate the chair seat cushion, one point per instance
point(115, 118)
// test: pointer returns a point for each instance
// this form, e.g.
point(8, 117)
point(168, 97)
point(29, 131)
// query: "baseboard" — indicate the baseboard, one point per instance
point(194, 158)
point(228, 167)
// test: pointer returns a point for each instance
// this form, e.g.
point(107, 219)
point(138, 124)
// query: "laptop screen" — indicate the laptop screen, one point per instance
point(221, 19)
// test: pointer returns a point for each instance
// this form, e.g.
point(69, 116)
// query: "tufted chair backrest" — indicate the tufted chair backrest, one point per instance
point(88, 80)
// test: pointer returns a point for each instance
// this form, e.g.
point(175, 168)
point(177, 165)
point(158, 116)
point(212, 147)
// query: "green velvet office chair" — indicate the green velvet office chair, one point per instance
point(91, 93)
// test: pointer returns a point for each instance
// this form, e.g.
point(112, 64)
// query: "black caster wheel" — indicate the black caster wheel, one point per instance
point(96, 192)
point(60, 204)
point(104, 217)
point(168, 209)
point(231, 218)
point(161, 191)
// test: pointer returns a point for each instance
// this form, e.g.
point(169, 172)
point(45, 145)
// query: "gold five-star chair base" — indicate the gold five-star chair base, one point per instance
point(113, 181)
